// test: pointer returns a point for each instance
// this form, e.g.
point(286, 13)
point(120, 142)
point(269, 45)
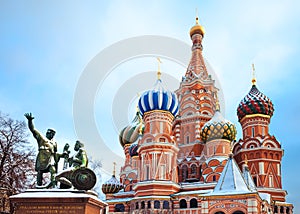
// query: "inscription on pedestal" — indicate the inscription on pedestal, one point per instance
point(46, 209)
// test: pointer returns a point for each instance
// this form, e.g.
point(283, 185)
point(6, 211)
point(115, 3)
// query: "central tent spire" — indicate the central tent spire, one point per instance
point(197, 68)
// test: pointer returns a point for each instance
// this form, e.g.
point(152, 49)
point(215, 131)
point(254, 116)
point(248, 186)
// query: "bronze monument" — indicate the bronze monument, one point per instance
point(77, 175)
point(47, 158)
point(75, 172)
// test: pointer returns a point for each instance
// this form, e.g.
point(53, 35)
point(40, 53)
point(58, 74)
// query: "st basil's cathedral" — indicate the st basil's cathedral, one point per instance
point(182, 156)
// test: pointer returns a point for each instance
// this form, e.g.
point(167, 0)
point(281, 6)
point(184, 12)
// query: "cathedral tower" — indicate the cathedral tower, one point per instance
point(128, 138)
point(197, 96)
point(262, 150)
point(157, 149)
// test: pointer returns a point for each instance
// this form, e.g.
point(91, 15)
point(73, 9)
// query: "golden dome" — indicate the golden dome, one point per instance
point(197, 29)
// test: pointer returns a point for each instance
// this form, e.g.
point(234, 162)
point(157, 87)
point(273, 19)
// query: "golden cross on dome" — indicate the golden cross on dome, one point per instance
point(158, 71)
point(114, 172)
point(253, 75)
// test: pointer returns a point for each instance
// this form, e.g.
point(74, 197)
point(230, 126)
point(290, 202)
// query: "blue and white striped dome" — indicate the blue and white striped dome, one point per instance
point(158, 99)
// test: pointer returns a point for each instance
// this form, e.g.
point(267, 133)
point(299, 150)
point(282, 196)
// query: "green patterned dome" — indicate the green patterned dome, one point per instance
point(218, 128)
point(130, 133)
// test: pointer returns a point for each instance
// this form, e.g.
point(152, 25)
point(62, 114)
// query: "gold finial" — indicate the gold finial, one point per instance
point(114, 172)
point(246, 159)
point(197, 19)
point(217, 103)
point(158, 71)
point(141, 130)
point(253, 75)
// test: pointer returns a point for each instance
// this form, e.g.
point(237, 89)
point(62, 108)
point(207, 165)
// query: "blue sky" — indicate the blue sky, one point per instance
point(45, 47)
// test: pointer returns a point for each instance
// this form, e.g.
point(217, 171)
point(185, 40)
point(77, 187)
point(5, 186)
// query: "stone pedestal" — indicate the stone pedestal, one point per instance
point(57, 202)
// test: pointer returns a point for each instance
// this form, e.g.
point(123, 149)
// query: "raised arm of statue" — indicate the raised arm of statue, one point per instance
point(35, 133)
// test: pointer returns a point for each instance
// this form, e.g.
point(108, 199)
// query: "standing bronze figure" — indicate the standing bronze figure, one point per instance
point(47, 157)
point(77, 175)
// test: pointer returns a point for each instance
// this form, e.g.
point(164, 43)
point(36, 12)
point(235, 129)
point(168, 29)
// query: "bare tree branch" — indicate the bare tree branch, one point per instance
point(16, 156)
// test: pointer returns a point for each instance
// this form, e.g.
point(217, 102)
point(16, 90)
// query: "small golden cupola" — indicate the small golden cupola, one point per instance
point(197, 29)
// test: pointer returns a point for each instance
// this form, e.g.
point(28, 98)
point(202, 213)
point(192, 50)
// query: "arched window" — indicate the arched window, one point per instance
point(156, 204)
point(214, 178)
point(194, 169)
point(166, 205)
point(119, 208)
point(184, 172)
point(193, 203)
point(182, 204)
point(143, 205)
point(238, 212)
point(136, 205)
point(149, 205)
point(189, 114)
point(162, 139)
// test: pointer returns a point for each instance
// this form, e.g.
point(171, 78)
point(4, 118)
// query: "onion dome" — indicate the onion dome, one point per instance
point(130, 133)
point(112, 186)
point(255, 102)
point(133, 150)
point(218, 128)
point(158, 99)
point(197, 29)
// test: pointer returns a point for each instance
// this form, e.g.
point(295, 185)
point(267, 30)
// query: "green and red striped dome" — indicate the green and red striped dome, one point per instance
point(130, 133)
point(255, 102)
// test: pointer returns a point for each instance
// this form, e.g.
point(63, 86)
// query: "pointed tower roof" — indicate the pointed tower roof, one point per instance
point(231, 180)
point(197, 68)
point(248, 179)
point(247, 176)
